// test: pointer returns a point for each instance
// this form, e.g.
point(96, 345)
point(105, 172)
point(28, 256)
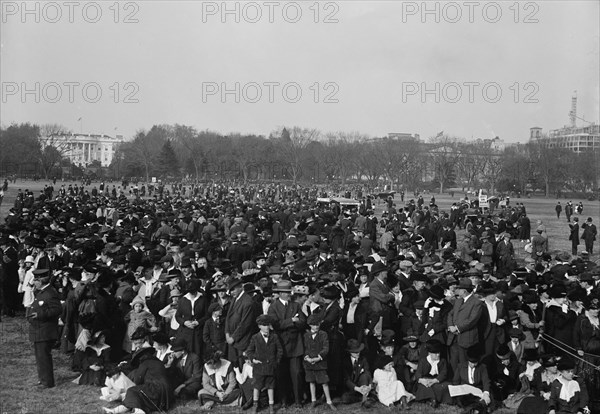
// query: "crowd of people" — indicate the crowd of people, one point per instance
point(265, 297)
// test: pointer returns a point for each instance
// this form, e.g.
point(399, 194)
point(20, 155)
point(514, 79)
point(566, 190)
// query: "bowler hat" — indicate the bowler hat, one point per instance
point(465, 283)
point(179, 344)
point(353, 346)
point(436, 292)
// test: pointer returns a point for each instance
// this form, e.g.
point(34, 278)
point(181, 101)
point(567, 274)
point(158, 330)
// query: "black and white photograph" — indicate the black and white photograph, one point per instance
point(299, 206)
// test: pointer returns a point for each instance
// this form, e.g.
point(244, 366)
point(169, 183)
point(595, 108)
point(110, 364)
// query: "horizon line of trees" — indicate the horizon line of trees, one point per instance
point(307, 155)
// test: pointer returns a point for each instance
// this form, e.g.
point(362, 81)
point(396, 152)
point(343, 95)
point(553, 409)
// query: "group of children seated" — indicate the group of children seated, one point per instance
point(414, 372)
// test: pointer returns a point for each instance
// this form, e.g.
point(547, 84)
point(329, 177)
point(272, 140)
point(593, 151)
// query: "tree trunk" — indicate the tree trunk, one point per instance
point(547, 182)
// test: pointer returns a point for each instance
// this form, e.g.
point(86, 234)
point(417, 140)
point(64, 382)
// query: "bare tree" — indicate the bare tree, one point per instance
point(292, 144)
point(55, 145)
point(443, 155)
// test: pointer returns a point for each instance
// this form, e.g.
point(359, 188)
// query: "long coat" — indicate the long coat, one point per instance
point(48, 308)
point(184, 313)
point(240, 322)
point(288, 331)
point(465, 315)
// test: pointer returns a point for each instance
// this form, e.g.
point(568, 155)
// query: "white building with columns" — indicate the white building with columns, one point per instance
point(83, 149)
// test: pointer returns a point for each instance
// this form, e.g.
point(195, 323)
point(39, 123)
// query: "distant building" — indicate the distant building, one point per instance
point(82, 149)
point(403, 136)
point(576, 139)
point(495, 144)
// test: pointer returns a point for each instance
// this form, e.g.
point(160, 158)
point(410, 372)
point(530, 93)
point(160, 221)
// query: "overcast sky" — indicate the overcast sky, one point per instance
point(365, 64)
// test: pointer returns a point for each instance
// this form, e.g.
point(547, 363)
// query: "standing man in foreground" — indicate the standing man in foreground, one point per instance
point(574, 235)
point(589, 235)
point(43, 330)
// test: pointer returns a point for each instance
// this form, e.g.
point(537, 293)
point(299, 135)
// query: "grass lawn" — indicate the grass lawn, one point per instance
point(17, 365)
point(18, 377)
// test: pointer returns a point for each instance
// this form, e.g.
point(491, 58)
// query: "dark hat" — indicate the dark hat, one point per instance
point(411, 336)
point(473, 354)
point(275, 270)
point(160, 338)
point(283, 286)
point(234, 282)
point(563, 257)
point(41, 273)
point(330, 292)
point(140, 333)
point(388, 337)
point(264, 320)
point(586, 277)
point(214, 307)
point(531, 354)
point(465, 283)
point(250, 288)
point(419, 277)
point(436, 292)
point(487, 288)
point(186, 262)
point(565, 364)
point(382, 361)
point(503, 352)
point(378, 267)
point(558, 291)
point(549, 360)
point(314, 319)
point(353, 346)
point(516, 333)
point(434, 346)
point(530, 297)
point(179, 344)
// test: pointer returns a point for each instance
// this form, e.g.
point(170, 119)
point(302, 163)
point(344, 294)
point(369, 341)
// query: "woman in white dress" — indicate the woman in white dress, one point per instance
point(389, 389)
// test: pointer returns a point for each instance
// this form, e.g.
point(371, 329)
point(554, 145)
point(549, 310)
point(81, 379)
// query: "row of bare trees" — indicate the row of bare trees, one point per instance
point(307, 155)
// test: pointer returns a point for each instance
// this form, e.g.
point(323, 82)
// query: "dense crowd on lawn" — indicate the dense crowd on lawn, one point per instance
point(255, 296)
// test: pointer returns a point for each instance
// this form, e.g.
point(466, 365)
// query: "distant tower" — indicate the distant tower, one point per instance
point(573, 113)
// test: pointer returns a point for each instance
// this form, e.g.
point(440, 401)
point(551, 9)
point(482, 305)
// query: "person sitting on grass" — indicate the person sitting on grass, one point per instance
point(357, 374)
point(97, 356)
point(115, 385)
point(568, 395)
point(219, 384)
point(152, 391)
point(432, 374)
point(185, 370)
point(389, 389)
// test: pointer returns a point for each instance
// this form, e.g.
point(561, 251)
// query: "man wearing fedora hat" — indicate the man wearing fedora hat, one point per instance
point(239, 322)
point(357, 374)
point(381, 298)
point(289, 323)
point(463, 323)
point(472, 372)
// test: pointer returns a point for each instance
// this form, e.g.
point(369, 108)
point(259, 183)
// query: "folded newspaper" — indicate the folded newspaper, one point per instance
point(465, 389)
